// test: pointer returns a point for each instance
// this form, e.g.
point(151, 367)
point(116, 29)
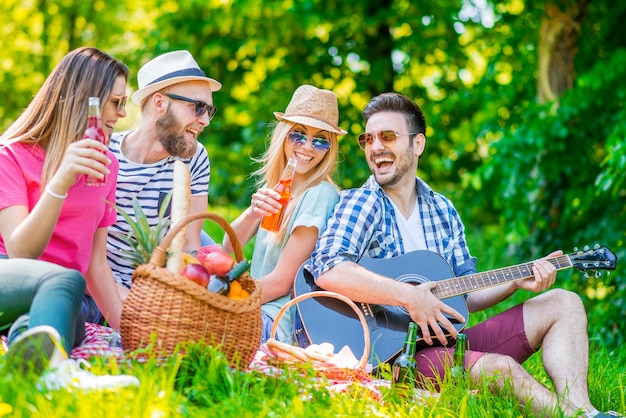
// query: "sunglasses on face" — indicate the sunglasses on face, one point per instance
point(387, 137)
point(298, 138)
point(118, 101)
point(201, 107)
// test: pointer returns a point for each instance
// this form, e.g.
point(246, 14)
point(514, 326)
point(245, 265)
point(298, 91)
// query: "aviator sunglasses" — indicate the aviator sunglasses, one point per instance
point(118, 101)
point(201, 107)
point(387, 137)
point(298, 138)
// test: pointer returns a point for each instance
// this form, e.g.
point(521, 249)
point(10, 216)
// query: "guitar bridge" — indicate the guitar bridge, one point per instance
point(370, 318)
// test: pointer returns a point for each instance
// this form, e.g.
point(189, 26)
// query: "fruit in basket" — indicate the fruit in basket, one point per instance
point(221, 284)
point(207, 249)
point(189, 259)
point(142, 238)
point(218, 262)
point(197, 274)
point(236, 292)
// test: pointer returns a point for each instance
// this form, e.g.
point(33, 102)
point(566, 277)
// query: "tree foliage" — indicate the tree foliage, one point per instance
point(524, 100)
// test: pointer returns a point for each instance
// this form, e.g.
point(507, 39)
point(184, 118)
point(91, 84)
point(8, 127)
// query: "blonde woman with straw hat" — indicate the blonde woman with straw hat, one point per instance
point(307, 131)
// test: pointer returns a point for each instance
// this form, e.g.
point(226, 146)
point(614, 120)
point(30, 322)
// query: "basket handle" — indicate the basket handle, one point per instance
point(324, 293)
point(160, 252)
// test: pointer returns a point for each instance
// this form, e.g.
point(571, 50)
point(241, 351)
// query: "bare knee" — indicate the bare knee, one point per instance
point(497, 365)
point(554, 303)
point(564, 303)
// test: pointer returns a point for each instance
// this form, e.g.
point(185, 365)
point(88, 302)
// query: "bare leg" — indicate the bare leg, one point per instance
point(557, 321)
point(526, 389)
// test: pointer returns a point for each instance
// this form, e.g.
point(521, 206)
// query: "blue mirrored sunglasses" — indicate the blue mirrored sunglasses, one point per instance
point(298, 138)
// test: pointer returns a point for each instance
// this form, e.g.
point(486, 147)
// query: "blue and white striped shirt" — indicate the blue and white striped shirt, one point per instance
point(363, 225)
point(150, 184)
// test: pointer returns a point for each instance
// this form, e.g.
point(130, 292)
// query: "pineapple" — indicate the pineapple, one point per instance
point(143, 239)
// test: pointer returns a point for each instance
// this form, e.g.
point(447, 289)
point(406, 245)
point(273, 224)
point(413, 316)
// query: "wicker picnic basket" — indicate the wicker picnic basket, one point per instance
point(166, 308)
point(289, 354)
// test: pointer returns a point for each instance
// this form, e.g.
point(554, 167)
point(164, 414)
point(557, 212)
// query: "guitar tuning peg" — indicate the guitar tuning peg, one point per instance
point(586, 275)
point(595, 247)
point(597, 274)
point(586, 248)
point(575, 249)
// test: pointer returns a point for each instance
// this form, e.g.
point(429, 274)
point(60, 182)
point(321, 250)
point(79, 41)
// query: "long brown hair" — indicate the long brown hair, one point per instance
point(274, 162)
point(57, 115)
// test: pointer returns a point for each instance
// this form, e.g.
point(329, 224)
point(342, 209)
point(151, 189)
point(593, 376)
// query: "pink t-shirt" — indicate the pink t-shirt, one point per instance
point(84, 210)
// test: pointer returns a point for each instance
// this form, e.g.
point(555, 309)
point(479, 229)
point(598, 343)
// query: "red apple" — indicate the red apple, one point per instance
point(197, 274)
point(218, 262)
point(203, 251)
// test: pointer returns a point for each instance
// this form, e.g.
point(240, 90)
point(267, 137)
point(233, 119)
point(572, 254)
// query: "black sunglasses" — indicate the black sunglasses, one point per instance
point(201, 107)
point(298, 138)
point(387, 137)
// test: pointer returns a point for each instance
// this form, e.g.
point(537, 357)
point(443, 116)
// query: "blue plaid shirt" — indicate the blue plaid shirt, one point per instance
point(363, 224)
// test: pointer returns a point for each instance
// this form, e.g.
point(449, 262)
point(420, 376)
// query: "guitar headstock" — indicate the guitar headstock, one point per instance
point(598, 258)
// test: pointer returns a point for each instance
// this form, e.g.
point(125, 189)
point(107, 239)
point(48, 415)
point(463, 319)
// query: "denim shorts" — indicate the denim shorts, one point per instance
point(267, 322)
point(91, 312)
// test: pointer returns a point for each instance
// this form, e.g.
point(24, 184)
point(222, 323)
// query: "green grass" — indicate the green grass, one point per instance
point(201, 384)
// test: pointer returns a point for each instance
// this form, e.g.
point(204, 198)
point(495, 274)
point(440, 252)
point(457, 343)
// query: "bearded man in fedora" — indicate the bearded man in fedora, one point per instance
point(176, 100)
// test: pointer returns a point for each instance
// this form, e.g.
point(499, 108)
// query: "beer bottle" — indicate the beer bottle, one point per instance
point(94, 131)
point(221, 284)
point(458, 361)
point(272, 222)
point(404, 368)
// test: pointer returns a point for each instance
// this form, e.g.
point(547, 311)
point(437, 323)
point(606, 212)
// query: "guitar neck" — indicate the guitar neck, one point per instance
point(474, 282)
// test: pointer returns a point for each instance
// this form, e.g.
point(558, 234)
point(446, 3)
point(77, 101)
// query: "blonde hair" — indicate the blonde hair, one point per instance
point(57, 115)
point(274, 162)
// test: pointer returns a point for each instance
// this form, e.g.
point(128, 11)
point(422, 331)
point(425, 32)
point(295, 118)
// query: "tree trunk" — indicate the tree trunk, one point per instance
point(379, 47)
point(558, 45)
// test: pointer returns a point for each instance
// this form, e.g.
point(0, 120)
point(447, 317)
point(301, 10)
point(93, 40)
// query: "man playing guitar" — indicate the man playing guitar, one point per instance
point(394, 213)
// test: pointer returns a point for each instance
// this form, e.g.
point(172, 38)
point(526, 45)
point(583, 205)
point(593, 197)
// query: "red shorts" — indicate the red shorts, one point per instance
point(501, 334)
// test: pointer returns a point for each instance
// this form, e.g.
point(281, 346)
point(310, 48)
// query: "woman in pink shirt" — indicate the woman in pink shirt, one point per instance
point(53, 226)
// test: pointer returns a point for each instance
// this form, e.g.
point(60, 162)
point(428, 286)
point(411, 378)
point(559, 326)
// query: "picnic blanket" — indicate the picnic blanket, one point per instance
point(102, 341)
point(99, 341)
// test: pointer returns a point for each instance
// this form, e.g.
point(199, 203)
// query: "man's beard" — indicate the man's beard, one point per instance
point(174, 142)
point(403, 166)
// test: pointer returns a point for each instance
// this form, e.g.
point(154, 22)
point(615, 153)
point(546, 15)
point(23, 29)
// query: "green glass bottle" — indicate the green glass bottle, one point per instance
point(221, 284)
point(458, 361)
point(404, 368)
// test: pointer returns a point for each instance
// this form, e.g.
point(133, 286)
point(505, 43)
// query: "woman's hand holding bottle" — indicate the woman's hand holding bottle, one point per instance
point(265, 201)
point(86, 156)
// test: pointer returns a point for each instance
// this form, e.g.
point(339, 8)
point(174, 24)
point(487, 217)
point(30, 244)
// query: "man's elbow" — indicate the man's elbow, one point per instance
point(326, 280)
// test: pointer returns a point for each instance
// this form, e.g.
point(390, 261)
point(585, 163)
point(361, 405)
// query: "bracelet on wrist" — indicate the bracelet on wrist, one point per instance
point(53, 194)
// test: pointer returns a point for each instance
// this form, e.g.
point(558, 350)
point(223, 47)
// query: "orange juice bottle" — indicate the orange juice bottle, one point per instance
point(272, 222)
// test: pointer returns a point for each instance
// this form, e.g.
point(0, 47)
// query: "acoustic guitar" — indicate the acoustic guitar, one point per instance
point(330, 320)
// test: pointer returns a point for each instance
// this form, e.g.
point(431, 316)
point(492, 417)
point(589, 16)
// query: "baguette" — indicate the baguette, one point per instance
point(181, 196)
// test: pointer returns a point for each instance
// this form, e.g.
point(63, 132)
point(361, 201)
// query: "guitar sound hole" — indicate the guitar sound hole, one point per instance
point(410, 278)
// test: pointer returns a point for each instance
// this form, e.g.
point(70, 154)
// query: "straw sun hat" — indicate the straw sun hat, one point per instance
point(168, 69)
point(313, 107)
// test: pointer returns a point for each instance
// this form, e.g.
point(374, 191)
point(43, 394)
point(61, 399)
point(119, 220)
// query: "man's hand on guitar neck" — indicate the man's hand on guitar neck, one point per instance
point(428, 311)
point(545, 274)
point(544, 277)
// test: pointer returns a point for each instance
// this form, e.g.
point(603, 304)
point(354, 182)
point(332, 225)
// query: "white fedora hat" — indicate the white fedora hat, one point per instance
point(168, 69)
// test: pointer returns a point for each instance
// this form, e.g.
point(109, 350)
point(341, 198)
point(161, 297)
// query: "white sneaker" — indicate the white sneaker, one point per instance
point(70, 374)
point(35, 350)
